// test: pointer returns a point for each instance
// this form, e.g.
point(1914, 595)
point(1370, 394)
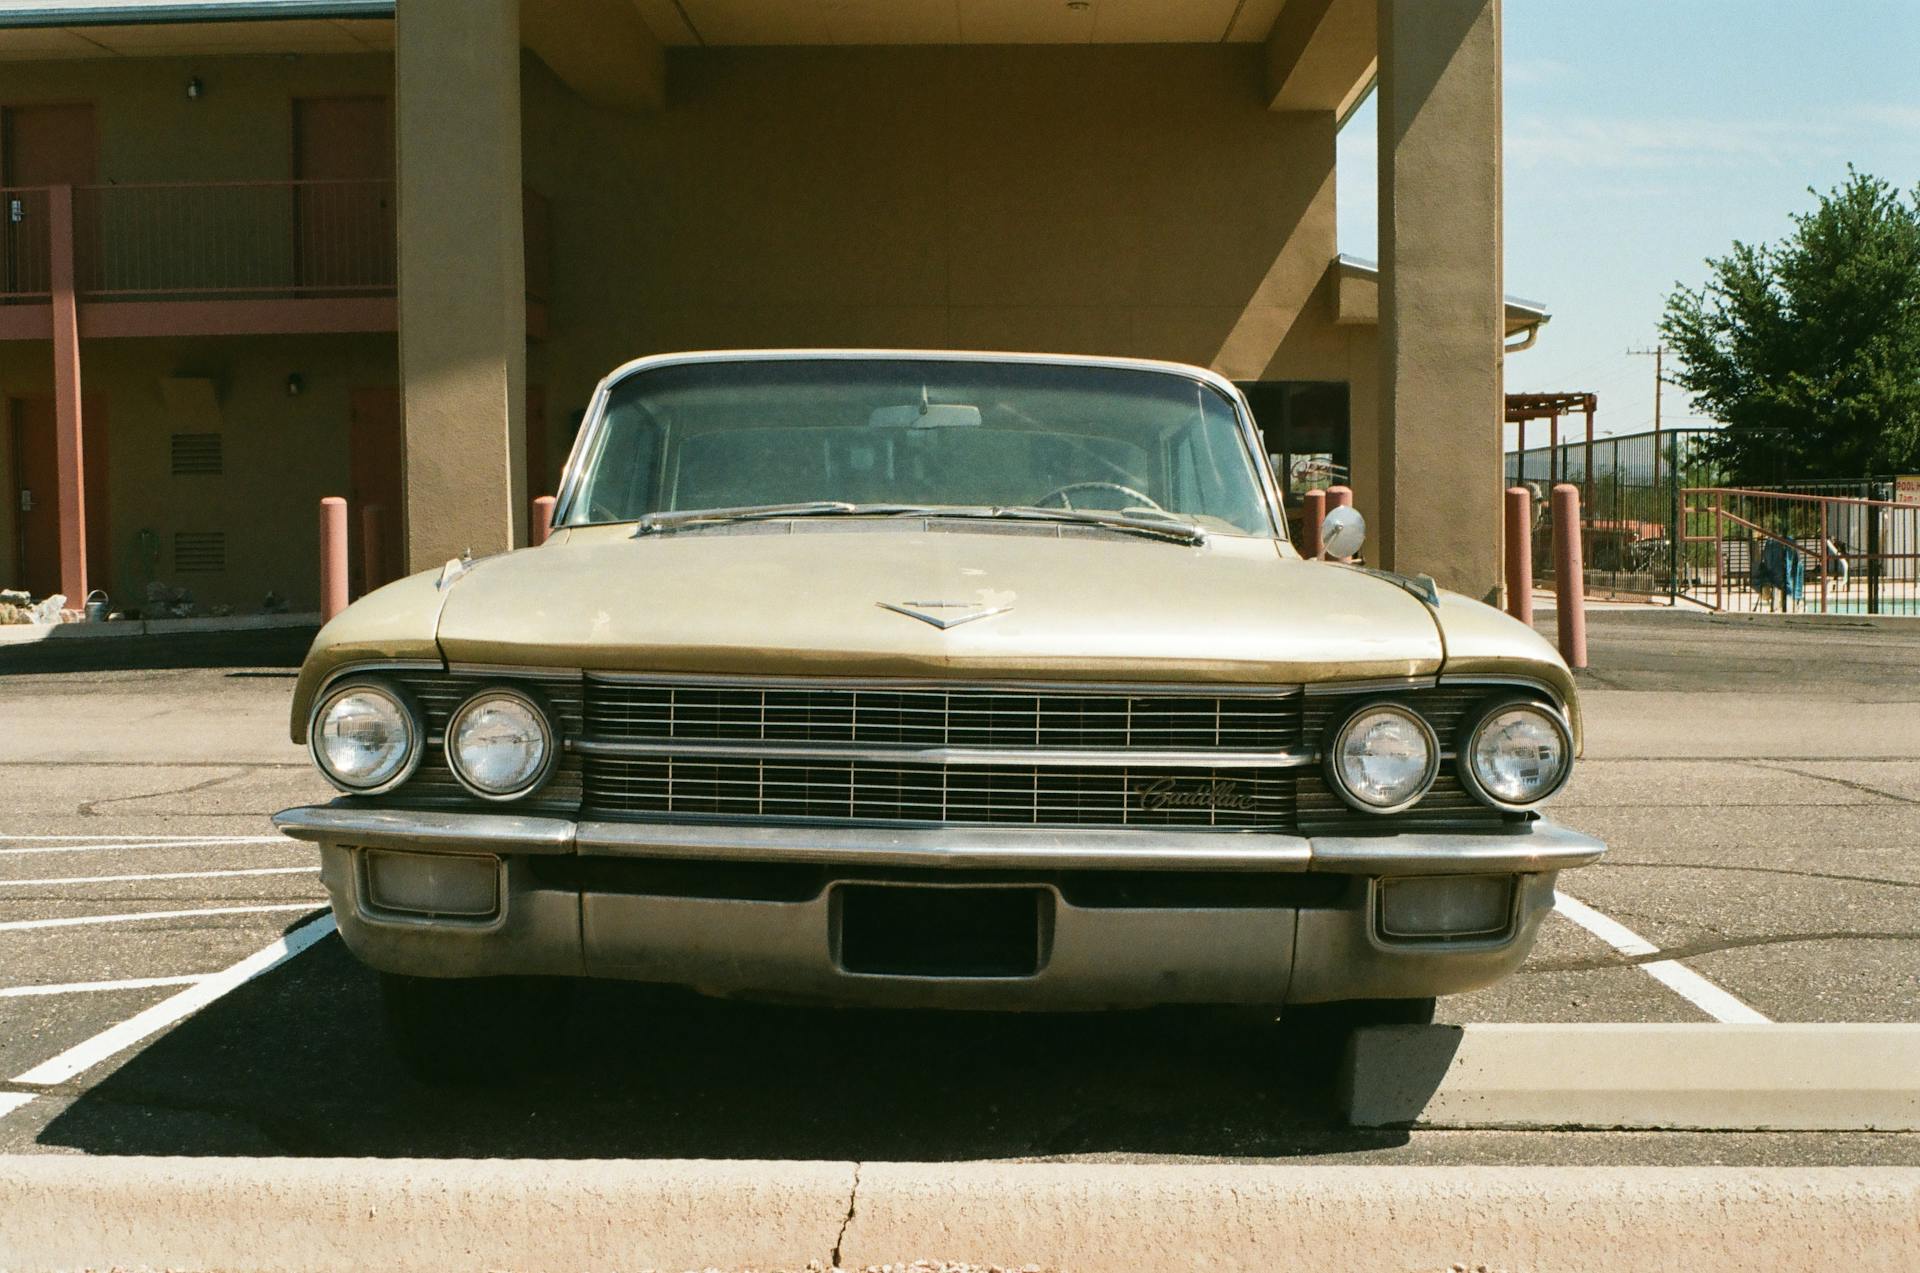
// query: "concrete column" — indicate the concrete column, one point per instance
point(462, 277)
point(68, 446)
point(1440, 291)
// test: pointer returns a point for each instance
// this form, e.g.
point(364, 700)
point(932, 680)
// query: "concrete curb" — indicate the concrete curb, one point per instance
point(1674, 1077)
point(349, 1214)
point(1111, 1219)
point(127, 629)
point(66, 1212)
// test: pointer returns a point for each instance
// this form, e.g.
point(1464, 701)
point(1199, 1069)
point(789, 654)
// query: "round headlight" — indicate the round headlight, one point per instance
point(1516, 754)
point(499, 744)
point(365, 738)
point(1383, 758)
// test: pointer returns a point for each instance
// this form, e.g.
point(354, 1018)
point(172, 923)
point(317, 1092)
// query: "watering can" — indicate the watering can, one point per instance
point(96, 606)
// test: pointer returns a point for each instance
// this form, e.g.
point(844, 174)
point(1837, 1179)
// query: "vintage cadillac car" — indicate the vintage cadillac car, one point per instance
point(930, 680)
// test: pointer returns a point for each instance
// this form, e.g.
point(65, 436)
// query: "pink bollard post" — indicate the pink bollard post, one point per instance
point(1313, 511)
point(1520, 553)
point(540, 523)
point(1339, 497)
point(1569, 581)
point(333, 556)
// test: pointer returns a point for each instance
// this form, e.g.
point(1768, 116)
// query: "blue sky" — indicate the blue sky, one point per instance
point(1643, 136)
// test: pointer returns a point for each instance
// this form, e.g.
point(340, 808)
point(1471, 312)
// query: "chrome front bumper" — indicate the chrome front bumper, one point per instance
point(1322, 944)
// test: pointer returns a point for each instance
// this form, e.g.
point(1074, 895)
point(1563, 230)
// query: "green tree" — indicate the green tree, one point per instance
point(1809, 349)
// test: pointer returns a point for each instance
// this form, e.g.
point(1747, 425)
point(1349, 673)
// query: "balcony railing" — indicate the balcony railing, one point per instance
point(223, 240)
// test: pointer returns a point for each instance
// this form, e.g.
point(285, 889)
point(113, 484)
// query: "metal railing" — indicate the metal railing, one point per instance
point(223, 240)
point(1629, 493)
point(1755, 550)
point(25, 257)
point(253, 238)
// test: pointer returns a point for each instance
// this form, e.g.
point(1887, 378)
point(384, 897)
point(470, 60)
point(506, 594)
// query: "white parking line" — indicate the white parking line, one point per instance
point(74, 921)
point(164, 875)
point(116, 1039)
point(86, 987)
point(115, 843)
point(1671, 973)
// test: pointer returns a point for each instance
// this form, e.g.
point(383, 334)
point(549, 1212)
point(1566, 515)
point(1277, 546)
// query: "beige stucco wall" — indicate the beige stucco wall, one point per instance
point(1136, 200)
point(281, 454)
point(240, 129)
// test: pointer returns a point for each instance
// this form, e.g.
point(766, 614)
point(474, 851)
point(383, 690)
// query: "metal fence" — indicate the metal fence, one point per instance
point(1629, 503)
point(24, 267)
point(1825, 548)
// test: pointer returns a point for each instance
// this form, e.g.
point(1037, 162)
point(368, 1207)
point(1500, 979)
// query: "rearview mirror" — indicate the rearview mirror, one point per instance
point(926, 415)
point(1343, 531)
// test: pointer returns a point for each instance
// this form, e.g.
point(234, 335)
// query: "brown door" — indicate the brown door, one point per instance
point(36, 496)
point(373, 475)
point(343, 149)
point(43, 146)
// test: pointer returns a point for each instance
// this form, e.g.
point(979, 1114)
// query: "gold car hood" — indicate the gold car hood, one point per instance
point(811, 598)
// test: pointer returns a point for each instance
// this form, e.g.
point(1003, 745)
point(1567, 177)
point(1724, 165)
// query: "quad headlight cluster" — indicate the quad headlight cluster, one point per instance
point(1512, 754)
point(368, 737)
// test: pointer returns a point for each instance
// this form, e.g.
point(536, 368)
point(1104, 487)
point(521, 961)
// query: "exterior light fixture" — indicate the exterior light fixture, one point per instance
point(296, 385)
point(195, 89)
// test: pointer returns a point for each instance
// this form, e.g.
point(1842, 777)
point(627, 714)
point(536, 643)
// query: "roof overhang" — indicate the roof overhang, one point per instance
point(108, 13)
point(1356, 301)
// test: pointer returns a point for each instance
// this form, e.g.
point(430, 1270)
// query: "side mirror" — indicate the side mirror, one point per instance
point(1343, 531)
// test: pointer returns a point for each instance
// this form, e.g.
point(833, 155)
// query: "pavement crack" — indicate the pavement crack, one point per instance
point(1694, 949)
point(1831, 877)
point(1848, 783)
point(91, 808)
point(853, 1198)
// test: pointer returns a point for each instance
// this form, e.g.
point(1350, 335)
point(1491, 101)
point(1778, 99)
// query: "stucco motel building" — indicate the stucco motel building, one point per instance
point(258, 252)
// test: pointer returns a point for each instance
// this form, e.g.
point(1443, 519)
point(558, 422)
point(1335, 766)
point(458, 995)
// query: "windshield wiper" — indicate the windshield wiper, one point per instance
point(652, 523)
point(1173, 529)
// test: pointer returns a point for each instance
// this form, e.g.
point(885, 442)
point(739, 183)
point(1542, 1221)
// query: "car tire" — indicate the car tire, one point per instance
point(472, 1031)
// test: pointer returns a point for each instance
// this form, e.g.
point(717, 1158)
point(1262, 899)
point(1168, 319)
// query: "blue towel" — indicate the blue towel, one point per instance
point(1781, 567)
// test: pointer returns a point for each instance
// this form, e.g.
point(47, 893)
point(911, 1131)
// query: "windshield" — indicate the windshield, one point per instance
point(918, 433)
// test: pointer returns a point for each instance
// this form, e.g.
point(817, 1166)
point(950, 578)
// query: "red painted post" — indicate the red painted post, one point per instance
point(1339, 497)
point(1313, 511)
point(372, 551)
point(540, 524)
point(1520, 554)
point(69, 452)
point(333, 556)
point(1569, 583)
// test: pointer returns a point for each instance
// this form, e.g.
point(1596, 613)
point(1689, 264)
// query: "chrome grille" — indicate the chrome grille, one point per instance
point(1010, 794)
point(1066, 719)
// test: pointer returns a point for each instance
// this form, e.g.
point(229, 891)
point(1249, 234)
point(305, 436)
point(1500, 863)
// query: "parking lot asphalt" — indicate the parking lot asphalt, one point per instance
point(1759, 786)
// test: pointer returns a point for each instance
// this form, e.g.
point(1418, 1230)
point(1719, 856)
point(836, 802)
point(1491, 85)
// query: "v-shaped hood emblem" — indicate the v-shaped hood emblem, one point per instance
point(944, 614)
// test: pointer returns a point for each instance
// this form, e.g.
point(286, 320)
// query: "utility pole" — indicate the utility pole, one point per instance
point(1658, 353)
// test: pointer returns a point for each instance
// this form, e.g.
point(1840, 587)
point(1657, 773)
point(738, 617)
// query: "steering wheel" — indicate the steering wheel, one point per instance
point(1063, 494)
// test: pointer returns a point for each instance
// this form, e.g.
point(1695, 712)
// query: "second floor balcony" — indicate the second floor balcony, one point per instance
point(216, 258)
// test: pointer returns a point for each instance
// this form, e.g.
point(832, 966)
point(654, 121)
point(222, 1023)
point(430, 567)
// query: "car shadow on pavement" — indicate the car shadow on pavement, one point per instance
point(294, 1063)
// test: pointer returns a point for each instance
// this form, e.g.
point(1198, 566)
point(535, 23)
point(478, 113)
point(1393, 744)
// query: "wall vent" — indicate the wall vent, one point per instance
point(198, 455)
point(199, 552)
